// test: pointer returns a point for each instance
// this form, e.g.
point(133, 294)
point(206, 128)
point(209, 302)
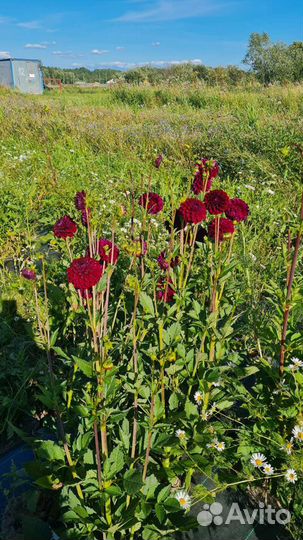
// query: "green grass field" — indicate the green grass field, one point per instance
point(105, 141)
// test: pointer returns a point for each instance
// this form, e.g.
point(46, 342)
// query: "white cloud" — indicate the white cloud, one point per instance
point(99, 52)
point(30, 25)
point(35, 46)
point(120, 48)
point(169, 10)
point(156, 44)
point(5, 54)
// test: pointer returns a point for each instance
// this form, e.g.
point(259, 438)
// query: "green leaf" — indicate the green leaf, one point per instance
point(132, 482)
point(84, 366)
point(147, 303)
point(150, 486)
point(225, 404)
point(114, 463)
point(160, 512)
point(172, 505)
point(164, 494)
point(51, 451)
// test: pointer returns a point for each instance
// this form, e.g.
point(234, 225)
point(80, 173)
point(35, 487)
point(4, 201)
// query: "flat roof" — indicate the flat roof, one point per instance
point(20, 59)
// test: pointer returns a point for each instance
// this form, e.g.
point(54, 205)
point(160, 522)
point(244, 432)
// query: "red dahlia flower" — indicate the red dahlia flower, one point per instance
point(165, 291)
point(80, 200)
point(152, 202)
point(206, 171)
point(192, 211)
point(108, 253)
point(158, 161)
point(226, 228)
point(165, 264)
point(216, 201)
point(26, 273)
point(238, 210)
point(84, 273)
point(65, 228)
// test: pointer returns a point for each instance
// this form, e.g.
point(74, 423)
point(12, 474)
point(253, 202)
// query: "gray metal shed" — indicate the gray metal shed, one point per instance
point(24, 74)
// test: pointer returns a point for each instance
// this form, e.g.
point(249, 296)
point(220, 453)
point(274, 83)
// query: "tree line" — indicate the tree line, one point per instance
point(267, 63)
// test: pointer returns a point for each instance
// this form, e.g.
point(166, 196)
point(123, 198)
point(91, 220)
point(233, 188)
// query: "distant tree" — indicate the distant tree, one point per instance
point(135, 76)
point(273, 62)
point(295, 51)
point(257, 57)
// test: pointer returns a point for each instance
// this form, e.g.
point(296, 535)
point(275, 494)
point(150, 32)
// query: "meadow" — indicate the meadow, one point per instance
point(105, 142)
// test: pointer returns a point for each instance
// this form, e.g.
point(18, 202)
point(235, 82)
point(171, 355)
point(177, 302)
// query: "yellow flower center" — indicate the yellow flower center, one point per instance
point(259, 462)
point(183, 502)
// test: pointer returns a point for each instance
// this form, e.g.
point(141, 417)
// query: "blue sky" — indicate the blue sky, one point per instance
point(125, 33)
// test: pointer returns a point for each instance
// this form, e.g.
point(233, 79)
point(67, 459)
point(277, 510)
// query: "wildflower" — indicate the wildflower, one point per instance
point(268, 469)
point(158, 161)
point(164, 263)
point(238, 210)
point(295, 364)
point(192, 211)
point(216, 201)
point(65, 228)
point(198, 397)
point(298, 432)
point(226, 229)
point(80, 200)
point(248, 186)
point(217, 384)
point(84, 273)
point(152, 202)
point(165, 290)
point(205, 415)
point(220, 446)
point(184, 499)
point(288, 447)
point(258, 460)
point(180, 433)
point(291, 476)
point(26, 273)
point(108, 252)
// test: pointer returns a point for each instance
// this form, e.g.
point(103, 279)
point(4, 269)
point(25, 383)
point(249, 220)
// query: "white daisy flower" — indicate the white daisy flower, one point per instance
point(198, 397)
point(205, 415)
point(291, 476)
point(180, 433)
point(288, 447)
point(258, 460)
point(268, 469)
point(217, 384)
point(220, 446)
point(296, 364)
point(184, 499)
point(298, 432)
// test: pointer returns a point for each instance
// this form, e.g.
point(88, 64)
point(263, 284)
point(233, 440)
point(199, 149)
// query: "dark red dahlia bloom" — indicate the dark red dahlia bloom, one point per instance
point(158, 161)
point(216, 201)
point(26, 273)
point(238, 210)
point(206, 171)
point(165, 264)
point(65, 228)
point(165, 292)
point(84, 273)
point(192, 211)
point(80, 200)
point(108, 253)
point(152, 202)
point(86, 214)
point(226, 228)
